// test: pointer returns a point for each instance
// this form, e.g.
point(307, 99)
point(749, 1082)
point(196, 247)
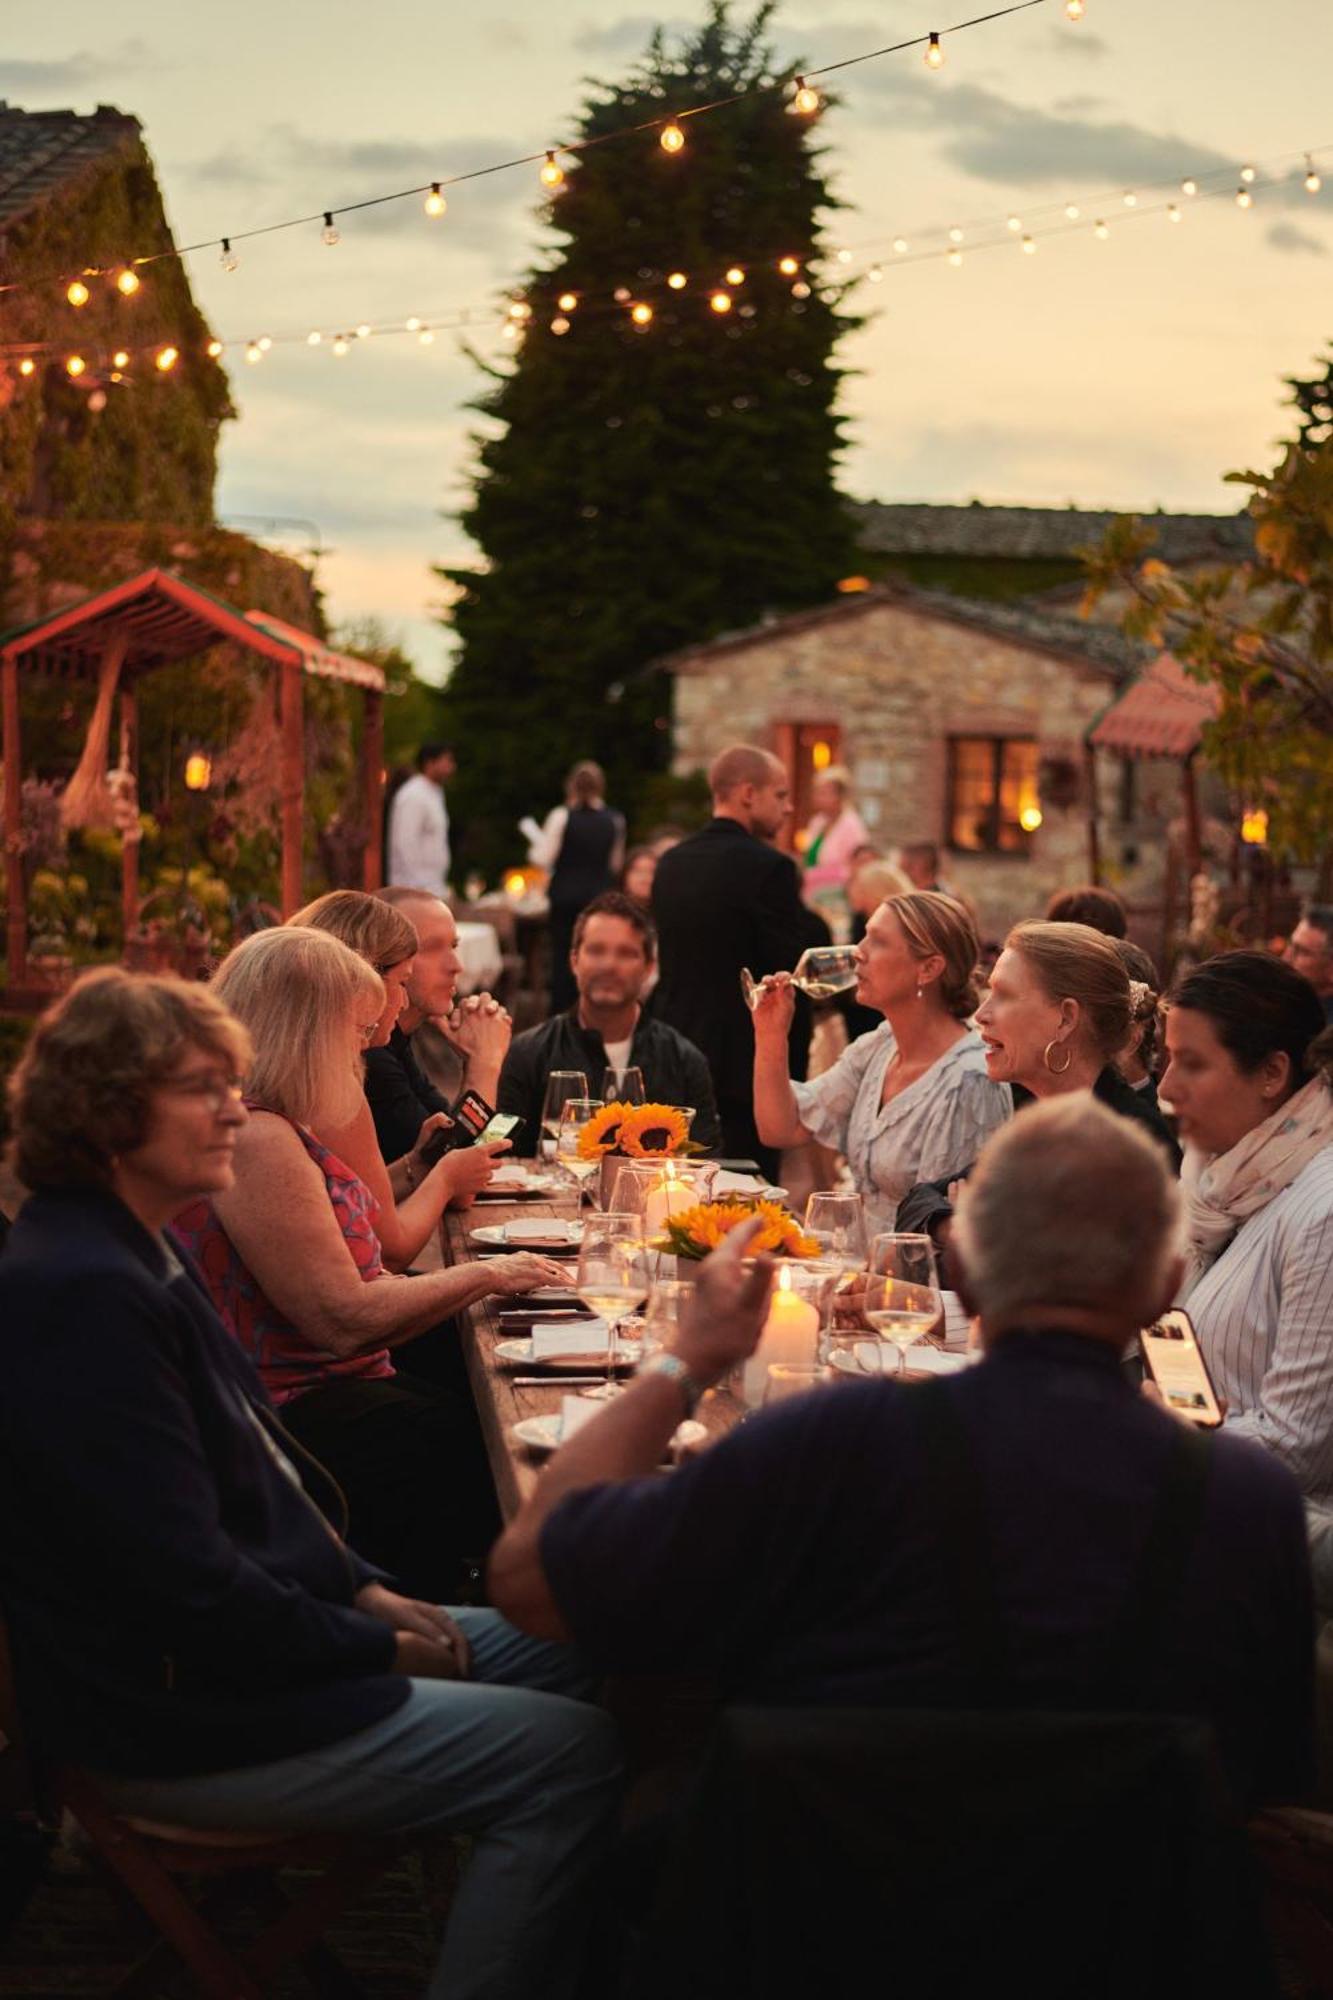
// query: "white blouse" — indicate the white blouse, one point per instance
point(1263, 1313)
point(933, 1129)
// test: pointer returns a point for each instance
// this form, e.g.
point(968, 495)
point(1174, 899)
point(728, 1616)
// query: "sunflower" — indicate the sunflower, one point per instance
point(695, 1231)
point(649, 1129)
point(601, 1134)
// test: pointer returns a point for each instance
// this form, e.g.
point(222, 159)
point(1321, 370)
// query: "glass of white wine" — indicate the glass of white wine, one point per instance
point(820, 973)
point(574, 1115)
point(902, 1301)
point(613, 1279)
point(624, 1086)
point(561, 1086)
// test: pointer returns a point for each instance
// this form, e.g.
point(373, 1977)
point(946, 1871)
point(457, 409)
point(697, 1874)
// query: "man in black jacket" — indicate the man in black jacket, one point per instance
point(614, 948)
point(723, 899)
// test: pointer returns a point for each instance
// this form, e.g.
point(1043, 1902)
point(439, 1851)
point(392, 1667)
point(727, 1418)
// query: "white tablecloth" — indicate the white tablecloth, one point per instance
point(479, 949)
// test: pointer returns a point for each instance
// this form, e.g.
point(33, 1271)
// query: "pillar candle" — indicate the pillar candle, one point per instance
point(791, 1333)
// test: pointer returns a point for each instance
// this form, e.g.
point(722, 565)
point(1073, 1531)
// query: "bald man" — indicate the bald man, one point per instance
point(724, 898)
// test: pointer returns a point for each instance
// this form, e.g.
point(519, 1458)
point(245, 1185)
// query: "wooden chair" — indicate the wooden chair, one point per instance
point(151, 1863)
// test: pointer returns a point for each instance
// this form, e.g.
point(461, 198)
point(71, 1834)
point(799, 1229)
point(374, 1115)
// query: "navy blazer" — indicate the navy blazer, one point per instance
point(177, 1602)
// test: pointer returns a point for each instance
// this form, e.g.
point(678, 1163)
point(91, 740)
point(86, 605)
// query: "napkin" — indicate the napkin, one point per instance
point(726, 1182)
point(957, 1320)
point(574, 1413)
point(923, 1360)
point(538, 1229)
point(575, 1336)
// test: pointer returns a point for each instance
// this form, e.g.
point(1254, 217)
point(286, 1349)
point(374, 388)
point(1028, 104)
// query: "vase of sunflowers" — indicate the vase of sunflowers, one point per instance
point(693, 1232)
point(620, 1132)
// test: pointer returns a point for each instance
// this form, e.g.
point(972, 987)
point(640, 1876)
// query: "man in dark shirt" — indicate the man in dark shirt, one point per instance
point(612, 956)
point(400, 1094)
point(805, 1558)
point(723, 899)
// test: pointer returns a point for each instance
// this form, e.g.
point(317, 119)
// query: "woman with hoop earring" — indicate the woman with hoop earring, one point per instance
point(1059, 1009)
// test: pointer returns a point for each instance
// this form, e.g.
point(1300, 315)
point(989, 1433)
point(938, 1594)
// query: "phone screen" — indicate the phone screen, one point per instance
point(502, 1125)
point(1172, 1358)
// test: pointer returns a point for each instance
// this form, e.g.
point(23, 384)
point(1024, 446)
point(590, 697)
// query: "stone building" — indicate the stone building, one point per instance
point(962, 722)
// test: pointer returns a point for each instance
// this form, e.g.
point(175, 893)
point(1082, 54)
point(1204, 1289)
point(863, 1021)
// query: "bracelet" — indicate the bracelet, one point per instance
point(674, 1368)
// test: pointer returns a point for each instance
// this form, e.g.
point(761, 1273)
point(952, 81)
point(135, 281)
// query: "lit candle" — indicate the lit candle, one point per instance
point(791, 1333)
point(670, 1194)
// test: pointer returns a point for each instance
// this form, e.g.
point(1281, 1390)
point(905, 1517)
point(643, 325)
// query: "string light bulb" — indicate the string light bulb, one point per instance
point(1189, 187)
point(720, 302)
point(341, 345)
point(413, 325)
point(934, 57)
point(75, 366)
point(314, 338)
point(1029, 247)
point(1247, 175)
point(519, 309)
point(955, 235)
point(77, 293)
point(1075, 9)
point(844, 256)
point(27, 366)
point(735, 275)
point(1172, 212)
point(1130, 199)
point(955, 258)
point(789, 266)
point(213, 350)
point(560, 324)
point(264, 342)
point(800, 290)
point(120, 359)
point(330, 232)
point(671, 139)
point(1014, 224)
point(807, 99)
point(900, 246)
point(552, 174)
point(876, 274)
point(227, 256)
point(1072, 211)
point(127, 283)
point(166, 358)
point(1100, 231)
point(1244, 199)
point(567, 301)
point(426, 338)
point(435, 203)
point(253, 352)
point(363, 331)
point(622, 295)
point(641, 313)
point(1312, 181)
point(677, 280)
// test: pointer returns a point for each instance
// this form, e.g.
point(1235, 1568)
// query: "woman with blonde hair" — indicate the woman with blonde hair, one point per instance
point(1058, 1010)
point(583, 845)
point(410, 1193)
point(835, 832)
point(911, 1099)
point(292, 1261)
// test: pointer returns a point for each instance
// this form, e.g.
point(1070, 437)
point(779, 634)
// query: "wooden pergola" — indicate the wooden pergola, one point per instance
point(151, 621)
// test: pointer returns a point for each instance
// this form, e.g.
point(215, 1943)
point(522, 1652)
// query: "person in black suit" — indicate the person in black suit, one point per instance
point(723, 899)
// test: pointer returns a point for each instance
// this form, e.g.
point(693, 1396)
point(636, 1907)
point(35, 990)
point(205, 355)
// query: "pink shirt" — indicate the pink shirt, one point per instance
point(288, 1362)
point(841, 839)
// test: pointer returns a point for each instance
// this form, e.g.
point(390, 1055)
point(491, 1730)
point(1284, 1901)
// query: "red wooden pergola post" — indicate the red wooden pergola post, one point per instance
point(292, 785)
point(372, 789)
point(129, 847)
point(17, 902)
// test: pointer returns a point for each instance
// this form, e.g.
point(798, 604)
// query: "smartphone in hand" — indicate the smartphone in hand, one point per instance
point(1174, 1363)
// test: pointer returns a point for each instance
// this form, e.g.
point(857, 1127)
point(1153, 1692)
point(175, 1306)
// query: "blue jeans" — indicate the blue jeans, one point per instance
point(507, 1757)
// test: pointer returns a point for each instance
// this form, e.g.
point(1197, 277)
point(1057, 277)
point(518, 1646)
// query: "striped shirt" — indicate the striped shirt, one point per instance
point(1264, 1317)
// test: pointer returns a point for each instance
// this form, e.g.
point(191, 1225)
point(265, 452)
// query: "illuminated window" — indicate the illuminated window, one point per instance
point(993, 804)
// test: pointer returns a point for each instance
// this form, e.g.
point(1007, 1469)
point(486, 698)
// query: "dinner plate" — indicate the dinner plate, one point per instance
point(563, 1237)
point(920, 1361)
point(520, 1354)
point(543, 1433)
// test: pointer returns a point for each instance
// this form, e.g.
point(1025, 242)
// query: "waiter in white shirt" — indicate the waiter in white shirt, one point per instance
point(419, 823)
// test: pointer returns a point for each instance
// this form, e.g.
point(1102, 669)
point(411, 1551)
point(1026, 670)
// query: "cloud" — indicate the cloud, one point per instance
point(1080, 43)
point(631, 34)
point(70, 73)
point(1285, 236)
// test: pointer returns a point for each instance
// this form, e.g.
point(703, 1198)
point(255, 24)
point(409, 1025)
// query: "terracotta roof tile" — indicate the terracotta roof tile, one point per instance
point(41, 150)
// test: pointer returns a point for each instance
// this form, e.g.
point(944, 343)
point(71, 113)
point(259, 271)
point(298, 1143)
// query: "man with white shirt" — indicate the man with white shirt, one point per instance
point(419, 823)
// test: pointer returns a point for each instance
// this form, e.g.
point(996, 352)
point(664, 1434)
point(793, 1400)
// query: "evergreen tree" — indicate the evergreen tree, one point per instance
point(1312, 398)
point(648, 486)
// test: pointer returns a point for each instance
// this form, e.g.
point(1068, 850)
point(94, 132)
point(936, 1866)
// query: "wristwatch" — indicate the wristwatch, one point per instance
point(671, 1365)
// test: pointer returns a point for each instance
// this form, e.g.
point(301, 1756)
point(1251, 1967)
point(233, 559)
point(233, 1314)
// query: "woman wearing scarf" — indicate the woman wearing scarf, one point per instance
point(1248, 1079)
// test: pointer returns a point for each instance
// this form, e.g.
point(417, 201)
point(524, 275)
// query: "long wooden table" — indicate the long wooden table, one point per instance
point(500, 1405)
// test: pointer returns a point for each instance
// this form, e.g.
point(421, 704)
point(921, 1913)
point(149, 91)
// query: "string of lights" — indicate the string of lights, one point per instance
point(724, 290)
point(805, 100)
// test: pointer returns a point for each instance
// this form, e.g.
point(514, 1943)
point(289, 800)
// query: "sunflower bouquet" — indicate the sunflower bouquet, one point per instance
point(695, 1231)
point(639, 1131)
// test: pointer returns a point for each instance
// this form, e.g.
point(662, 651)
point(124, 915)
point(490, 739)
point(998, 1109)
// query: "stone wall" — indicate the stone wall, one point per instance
point(898, 682)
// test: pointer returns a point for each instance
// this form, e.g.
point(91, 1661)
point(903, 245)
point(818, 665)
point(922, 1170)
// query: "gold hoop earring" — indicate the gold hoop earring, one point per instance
point(1046, 1057)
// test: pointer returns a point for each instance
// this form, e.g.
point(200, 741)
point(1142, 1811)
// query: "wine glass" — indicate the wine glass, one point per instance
point(624, 1086)
point(574, 1115)
point(837, 1223)
point(561, 1086)
point(793, 1378)
point(612, 1280)
point(820, 972)
point(662, 1315)
point(902, 1294)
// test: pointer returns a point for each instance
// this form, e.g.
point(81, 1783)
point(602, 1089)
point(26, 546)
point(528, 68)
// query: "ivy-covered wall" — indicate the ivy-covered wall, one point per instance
point(149, 452)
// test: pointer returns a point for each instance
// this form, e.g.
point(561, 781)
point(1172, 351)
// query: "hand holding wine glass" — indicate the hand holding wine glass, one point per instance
point(821, 972)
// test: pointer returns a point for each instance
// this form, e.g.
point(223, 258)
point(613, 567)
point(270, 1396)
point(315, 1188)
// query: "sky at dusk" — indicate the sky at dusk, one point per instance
point(1128, 372)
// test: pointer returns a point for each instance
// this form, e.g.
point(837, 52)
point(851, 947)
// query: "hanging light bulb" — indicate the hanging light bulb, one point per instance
point(676, 280)
point(1100, 231)
point(120, 359)
point(1247, 175)
point(789, 266)
point(127, 283)
point(264, 343)
point(567, 301)
point(519, 309)
point(560, 325)
point(426, 338)
point(166, 358)
point(622, 295)
point(314, 338)
point(1190, 187)
point(75, 366)
point(1130, 199)
point(551, 174)
point(876, 274)
point(1172, 212)
point(330, 231)
point(1029, 247)
point(413, 325)
point(955, 258)
point(1244, 199)
point(1014, 224)
point(363, 331)
point(253, 352)
point(735, 275)
point(800, 290)
point(1072, 211)
point(1075, 9)
point(227, 256)
point(844, 256)
point(435, 203)
point(1312, 181)
point(934, 53)
point(900, 246)
point(671, 139)
point(641, 313)
point(720, 302)
point(341, 345)
point(77, 293)
point(807, 99)
point(955, 235)
point(27, 366)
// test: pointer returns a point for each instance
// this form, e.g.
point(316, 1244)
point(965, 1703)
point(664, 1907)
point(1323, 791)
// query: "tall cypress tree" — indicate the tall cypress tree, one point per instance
point(647, 486)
